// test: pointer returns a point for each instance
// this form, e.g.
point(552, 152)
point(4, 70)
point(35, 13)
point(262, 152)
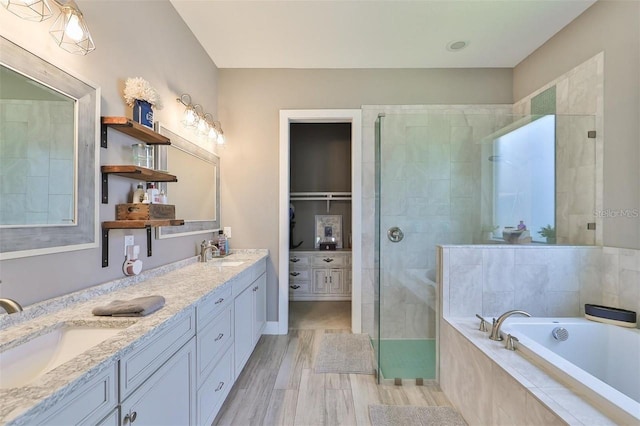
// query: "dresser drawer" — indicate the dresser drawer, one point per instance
point(139, 365)
point(302, 274)
point(212, 340)
point(212, 305)
point(298, 259)
point(300, 287)
point(330, 260)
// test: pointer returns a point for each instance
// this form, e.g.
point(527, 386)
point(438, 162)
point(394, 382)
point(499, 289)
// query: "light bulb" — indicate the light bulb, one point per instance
point(203, 127)
point(213, 134)
point(189, 117)
point(73, 28)
point(220, 139)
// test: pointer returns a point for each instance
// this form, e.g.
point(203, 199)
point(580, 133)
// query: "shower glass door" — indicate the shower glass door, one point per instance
point(405, 307)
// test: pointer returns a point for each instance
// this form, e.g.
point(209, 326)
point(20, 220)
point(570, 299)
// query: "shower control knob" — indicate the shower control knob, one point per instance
point(395, 234)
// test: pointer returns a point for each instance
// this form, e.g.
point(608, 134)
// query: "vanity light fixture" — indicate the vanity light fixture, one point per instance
point(70, 30)
point(31, 10)
point(203, 123)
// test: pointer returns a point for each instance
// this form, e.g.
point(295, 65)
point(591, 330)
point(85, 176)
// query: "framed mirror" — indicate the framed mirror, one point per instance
point(48, 157)
point(196, 195)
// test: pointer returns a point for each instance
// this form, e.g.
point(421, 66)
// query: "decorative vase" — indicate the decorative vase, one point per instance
point(143, 113)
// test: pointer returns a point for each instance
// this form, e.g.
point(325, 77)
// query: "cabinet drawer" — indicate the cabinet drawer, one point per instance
point(299, 287)
point(329, 260)
point(303, 274)
point(210, 307)
point(215, 389)
point(212, 340)
point(298, 260)
point(137, 366)
point(86, 405)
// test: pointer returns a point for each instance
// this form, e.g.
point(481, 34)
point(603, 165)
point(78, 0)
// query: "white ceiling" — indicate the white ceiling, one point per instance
point(374, 34)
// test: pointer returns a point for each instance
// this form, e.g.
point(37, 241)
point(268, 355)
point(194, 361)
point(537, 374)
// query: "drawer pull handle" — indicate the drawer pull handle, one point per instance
point(295, 287)
point(295, 259)
point(294, 274)
point(220, 336)
point(130, 418)
point(220, 386)
point(219, 301)
point(328, 260)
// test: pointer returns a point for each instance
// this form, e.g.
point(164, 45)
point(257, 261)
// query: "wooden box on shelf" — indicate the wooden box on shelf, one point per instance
point(139, 211)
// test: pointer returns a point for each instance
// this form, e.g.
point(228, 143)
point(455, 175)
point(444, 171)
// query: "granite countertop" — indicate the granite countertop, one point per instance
point(182, 284)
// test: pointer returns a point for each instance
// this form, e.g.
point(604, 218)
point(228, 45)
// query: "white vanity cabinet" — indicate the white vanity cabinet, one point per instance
point(320, 275)
point(168, 396)
point(249, 314)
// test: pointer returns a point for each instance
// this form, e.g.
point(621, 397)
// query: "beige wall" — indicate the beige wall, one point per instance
point(249, 104)
point(133, 38)
point(613, 27)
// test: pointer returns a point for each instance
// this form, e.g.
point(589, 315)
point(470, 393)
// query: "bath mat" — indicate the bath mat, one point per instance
point(393, 415)
point(345, 353)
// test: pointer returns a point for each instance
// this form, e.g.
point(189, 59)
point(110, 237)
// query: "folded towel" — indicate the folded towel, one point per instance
point(138, 307)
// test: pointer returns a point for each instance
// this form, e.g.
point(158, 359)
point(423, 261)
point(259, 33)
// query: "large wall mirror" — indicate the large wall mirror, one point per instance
point(48, 158)
point(196, 195)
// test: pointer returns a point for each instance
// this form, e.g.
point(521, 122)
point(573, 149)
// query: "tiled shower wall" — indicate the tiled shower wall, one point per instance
point(37, 185)
point(544, 281)
point(579, 177)
point(431, 179)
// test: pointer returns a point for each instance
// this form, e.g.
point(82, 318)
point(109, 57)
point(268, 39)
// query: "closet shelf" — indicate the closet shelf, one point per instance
point(320, 196)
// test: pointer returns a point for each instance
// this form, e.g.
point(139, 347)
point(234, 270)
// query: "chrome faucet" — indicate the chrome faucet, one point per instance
point(10, 305)
point(206, 246)
point(497, 323)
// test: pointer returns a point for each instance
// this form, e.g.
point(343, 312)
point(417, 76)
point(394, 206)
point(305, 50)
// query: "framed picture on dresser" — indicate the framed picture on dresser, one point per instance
point(329, 228)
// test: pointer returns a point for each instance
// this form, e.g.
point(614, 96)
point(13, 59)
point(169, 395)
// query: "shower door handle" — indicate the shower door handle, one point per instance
point(395, 234)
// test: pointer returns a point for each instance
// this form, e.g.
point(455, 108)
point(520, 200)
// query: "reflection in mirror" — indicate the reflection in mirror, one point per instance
point(37, 153)
point(48, 190)
point(196, 195)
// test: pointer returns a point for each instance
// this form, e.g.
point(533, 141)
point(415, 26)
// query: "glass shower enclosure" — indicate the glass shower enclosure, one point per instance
point(456, 178)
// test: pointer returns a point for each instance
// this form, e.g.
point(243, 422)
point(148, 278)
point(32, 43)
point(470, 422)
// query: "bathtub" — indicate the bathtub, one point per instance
point(599, 360)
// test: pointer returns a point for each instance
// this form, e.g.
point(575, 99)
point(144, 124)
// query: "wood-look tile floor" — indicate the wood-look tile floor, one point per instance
point(278, 386)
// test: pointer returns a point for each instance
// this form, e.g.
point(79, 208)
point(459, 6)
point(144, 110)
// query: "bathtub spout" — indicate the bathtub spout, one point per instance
point(497, 323)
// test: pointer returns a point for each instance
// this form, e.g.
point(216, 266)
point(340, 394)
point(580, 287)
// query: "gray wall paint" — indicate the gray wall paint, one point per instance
point(133, 38)
point(612, 27)
point(249, 104)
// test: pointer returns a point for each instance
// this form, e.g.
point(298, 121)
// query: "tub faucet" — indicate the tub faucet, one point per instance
point(10, 305)
point(497, 323)
point(206, 246)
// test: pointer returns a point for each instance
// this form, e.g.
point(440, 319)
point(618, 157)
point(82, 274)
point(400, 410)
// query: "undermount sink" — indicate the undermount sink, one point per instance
point(22, 364)
point(226, 262)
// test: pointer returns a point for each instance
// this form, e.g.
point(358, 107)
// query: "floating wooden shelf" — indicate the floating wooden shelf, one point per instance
point(131, 128)
point(140, 224)
point(139, 173)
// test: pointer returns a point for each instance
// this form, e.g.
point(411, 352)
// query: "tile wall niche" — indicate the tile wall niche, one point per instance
point(579, 178)
point(432, 176)
point(37, 173)
point(544, 281)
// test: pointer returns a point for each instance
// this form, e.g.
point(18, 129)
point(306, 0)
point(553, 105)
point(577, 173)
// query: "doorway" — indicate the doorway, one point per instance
point(287, 118)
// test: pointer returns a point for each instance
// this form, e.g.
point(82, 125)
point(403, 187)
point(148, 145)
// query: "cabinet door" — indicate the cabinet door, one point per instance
point(243, 328)
point(168, 396)
point(260, 307)
point(320, 281)
point(336, 283)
